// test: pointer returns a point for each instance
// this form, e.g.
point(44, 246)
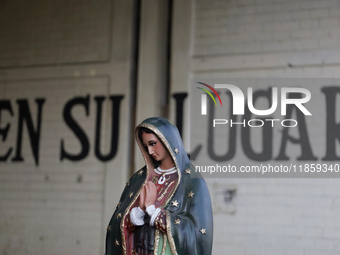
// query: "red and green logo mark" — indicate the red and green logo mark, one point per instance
point(204, 97)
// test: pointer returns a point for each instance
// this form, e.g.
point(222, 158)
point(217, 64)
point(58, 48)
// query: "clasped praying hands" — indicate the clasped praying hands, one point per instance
point(148, 195)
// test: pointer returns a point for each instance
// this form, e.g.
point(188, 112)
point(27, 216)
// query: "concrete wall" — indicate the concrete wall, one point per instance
point(58, 52)
point(266, 39)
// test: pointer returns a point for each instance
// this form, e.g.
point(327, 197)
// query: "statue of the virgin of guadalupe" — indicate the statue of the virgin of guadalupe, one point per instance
point(162, 210)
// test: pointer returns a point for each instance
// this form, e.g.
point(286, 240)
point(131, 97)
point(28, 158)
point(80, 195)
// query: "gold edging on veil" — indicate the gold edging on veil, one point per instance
point(164, 244)
point(156, 241)
point(168, 232)
point(166, 144)
point(127, 211)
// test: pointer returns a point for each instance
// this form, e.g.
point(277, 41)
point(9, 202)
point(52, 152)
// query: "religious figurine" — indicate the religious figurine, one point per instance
point(162, 210)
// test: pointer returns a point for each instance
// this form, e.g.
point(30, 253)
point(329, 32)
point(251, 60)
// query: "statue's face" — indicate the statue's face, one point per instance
point(155, 147)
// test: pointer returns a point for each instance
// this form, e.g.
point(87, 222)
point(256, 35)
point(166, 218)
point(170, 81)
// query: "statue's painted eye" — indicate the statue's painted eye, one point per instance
point(152, 143)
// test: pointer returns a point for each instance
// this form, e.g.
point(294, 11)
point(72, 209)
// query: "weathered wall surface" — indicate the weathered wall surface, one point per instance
point(268, 39)
point(64, 88)
point(64, 58)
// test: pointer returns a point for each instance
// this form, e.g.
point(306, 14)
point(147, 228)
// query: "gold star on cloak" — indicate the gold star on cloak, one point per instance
point(187, 171)
point(203, 231)
point(178, 221)
point(119, 204)
point(108, 228)
point(119, 215)
point(176, 150)
point(117, 243)
point(140, 172)
point(191, 194)
point(128, 183)
point(174, 203)
point(131, 194)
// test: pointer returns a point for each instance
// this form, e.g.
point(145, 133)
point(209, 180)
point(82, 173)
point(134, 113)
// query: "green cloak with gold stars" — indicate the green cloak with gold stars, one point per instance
point(189, 219)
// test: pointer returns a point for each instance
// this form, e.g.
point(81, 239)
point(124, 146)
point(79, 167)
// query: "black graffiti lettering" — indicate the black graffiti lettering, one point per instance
point(34, 135)
point(232, 134)
point(179, 98)
point(77, 130)
point(5, 105)
point(267, 132)
point(114, 127)
point(306, 150)
point(333, 128)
